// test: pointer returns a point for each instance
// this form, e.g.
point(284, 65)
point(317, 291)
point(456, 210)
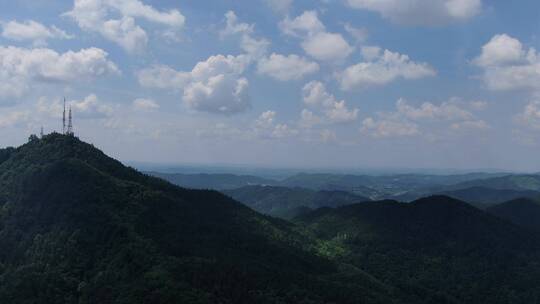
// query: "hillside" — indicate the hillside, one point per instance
point(212, 181)
point(438, 244)
point(522, 212)
point(485, 197)
point(78, 227)
point(290, 202)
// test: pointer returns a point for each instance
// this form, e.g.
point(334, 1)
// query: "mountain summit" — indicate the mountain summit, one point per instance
point(79, 227)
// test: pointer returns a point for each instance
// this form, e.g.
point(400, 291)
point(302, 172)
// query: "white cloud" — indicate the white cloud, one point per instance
point(163, 77)
point(359, 34)
point(266, 127)
point(328, 135)
point(327, 46)
point(383, 67)
point(31, 30)
point(96, 16)
point(507, 65)
point(88, 108)
point(266, 119)
point(421, 12)
point(254, 47)
point(530, 117)
point(317, 98)
point(388, 128)
point(12, 119)
point(144, 104)
point(125, 33)
point(316, 41)
point(214, 85)
point(285, 68)
point(20, 66)
point(306, 24)
point(408, 120)
point(427, 110)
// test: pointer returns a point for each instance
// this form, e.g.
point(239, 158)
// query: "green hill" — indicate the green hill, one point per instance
point(78, 227)
point(290, 202)
point(436, 244)
point(523, 212)
point(485, 197)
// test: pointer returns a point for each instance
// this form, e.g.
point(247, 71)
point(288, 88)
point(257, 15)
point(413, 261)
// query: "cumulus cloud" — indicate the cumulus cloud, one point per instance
point(33, 31)
point(144, 104)
point(285, 68)
point(316, 41)
point(255, 47)
point(96, 16)
point(406, 120)
point(214, 85)
point(89, 107)
point(359, 34)
point(331, 110)
point(382, 67)
point(508, 65)
point(421, 12)
point(20, 67)
point(266, 127)
point(11, 119)
point(530, 116)
point(388, 128)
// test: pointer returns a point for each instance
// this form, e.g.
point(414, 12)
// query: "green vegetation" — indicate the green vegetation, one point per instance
point(438, 246)
point(288, 203)
point(79, 227)
point(523, 212)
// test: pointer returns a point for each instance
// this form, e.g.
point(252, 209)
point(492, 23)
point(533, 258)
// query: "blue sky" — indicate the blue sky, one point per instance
point(280, 83)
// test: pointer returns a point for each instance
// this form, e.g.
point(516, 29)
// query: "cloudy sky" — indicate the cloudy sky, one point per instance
point(280, 83)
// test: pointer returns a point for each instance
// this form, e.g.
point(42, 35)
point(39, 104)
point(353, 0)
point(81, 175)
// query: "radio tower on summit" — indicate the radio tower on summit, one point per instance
point(67, 130)
point(64, 118)
point(70, 124)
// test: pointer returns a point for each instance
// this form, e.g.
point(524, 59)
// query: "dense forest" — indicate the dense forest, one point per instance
point(79, 227)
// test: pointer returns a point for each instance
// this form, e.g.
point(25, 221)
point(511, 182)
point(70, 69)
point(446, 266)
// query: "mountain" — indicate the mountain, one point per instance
point(439, 244)
point(523, 212)
point(485, 197)
point(530, 182)
point(381, 186)
point(79, 227)
point(290, 202)
point(212, 181)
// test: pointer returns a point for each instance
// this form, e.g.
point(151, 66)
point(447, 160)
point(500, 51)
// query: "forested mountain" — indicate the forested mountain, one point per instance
point(290, 202)
point(522, 212)
point(206, 181)
point(440, 244)
point(78, 227)
point(484, 197)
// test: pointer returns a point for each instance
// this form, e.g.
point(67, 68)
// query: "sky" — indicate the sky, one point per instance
point(280, 83)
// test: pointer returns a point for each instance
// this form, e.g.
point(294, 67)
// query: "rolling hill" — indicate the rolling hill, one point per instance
point(522, 212)
point(462, 254)
point(290, 202)
point(484, 197)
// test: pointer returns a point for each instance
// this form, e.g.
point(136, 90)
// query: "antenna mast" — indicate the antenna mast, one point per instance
point(70, 123)
point(64, 118)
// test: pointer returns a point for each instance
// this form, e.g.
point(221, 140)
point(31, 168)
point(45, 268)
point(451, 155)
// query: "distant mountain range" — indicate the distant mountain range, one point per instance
point(290, 202)
point(79, 227)
point(212, 181)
